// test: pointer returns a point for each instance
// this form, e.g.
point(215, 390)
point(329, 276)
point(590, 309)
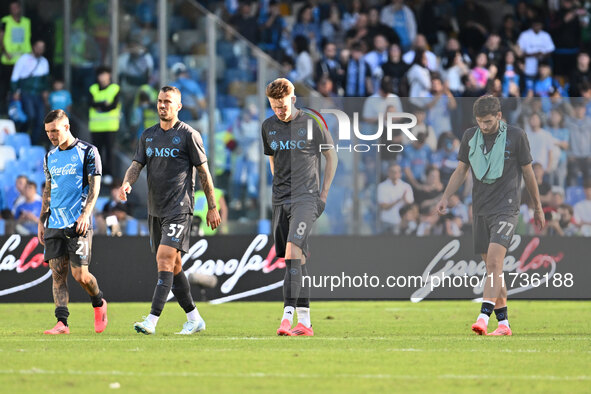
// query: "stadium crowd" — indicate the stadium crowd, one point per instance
point(427, 57)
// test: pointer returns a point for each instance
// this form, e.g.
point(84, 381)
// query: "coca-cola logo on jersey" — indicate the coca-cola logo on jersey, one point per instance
point(22, 272)
point(68, 169)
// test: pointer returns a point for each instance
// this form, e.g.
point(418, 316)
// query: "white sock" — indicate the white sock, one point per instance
point(304, 316)
point(504, 322)
point(153, 319)
point(288, 313)
point(194, 315)
point(485, 317)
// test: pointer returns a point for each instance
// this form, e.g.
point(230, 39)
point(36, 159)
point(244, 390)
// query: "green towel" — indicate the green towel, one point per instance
point(488, 167)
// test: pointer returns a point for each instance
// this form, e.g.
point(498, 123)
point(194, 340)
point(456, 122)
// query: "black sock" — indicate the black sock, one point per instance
point(62, 313)
point(501, 314)
point(487, 308)
point(161, 292)
point(97, 300)
point(182, 291)
point(292, 283)
point(304, 298)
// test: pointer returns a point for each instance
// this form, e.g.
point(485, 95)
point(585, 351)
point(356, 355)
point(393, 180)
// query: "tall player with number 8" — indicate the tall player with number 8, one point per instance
point(498, 155)
point(171, 151)
point(298, 199)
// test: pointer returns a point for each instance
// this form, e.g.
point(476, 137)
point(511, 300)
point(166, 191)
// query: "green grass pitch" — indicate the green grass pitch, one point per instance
point(358, 347)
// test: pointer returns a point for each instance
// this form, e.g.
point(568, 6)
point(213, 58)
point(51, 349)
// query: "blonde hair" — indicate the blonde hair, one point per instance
point(279, 88)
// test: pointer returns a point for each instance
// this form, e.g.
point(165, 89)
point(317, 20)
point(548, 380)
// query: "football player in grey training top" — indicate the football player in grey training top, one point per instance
point(298, 200)
point(170, 151)
point(499, 156)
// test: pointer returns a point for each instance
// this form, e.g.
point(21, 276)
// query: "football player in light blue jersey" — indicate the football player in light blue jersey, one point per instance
point(72, 182)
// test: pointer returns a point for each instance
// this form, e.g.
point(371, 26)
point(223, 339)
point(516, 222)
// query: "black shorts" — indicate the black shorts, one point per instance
point(293, 223)
point(496, 228)
point(77, 249)
point(173, 231)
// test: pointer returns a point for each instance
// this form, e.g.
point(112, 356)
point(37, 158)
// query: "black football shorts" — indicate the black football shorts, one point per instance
point(293, 223)
point(78, 249)
point(496, 228)
point(173, 231)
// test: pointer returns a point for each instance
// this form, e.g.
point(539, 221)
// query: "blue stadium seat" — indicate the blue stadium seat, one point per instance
point(17, 140)
point(2, 227)
point(236, 74)
point(33, 155)
point(574, 194)
point(101, 201)
point(16, 168)
point(132, 227)
point(229, 115)
point(7, 154)
point(38, 177)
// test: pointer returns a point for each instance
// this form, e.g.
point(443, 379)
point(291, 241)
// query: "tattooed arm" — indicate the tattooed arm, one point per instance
point(44, 215)
point(94, 185)
point(213, 216)
point(132, 174)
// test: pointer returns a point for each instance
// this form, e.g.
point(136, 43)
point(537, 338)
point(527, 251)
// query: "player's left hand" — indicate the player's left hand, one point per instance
point(83, 224)
point(213, 218)
point(539, 218)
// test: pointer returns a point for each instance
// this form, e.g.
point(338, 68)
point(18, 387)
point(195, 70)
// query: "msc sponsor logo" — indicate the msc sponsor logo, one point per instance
point(288, 145)
point(162, 152)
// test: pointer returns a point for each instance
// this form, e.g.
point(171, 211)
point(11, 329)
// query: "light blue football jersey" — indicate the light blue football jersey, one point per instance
point(68, 172)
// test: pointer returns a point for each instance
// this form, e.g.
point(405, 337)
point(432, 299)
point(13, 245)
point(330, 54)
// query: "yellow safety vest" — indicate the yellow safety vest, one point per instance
point(201, 208)
point(17, 38)
point(104, 121)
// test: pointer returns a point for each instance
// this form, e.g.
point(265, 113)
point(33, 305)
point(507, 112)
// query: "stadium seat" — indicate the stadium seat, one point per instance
point(38, 177)
point(7, 127)
point(101, 201)
point(132, 227)
point(236, 74)
point(34, 155)
point(2, 227)
point(17, 140)
point(7, 153)
point(15, 168)
point(229, 115)
point(574, 194)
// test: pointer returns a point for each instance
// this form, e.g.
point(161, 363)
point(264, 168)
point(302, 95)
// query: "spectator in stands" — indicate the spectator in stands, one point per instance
point(30, 83)
point(428, 193)
point(115, 213)
point(16, 41)
point(474, 24)
point(446, 156)
point(376, 58)
point(359, 32)
point(104, 117)
point(562, 222)
point(544, 187)
point(332, 28)
point(136, 66)
point(582, 210)
point(193, 99)
point(60, 97)
point(440, 107)
point(306, 25)
point(27, 212)
point(376, 27)
point(330, 66)
point(421, 127)
point(579, 75)
point(395, 69)
point(565, 28)
point(271, 26)
point(419, 79)
point(350, 17)
point(458, 209)
point(392, 194)
point(409, 216)
point(481, 72)
point(16, 196)
point(429, 224)
point(357, 74)
point(245, 22)
point(545, 83)
point(579, 154)
point(304, 68)
point(416, 157)
point(493, 50)
point(510, 74)
point(375, 105)
point(420, 44)
point(144, 114)
point(509, 32)
point(453, 69)
point(561, 137)
point(542, 144)
point(536, 45)
point(400, 18)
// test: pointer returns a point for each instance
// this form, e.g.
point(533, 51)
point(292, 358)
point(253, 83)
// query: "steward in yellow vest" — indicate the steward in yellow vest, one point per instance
point(104, 116)
point(17, 35)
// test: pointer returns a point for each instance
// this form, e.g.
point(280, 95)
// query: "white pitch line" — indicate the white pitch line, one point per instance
point(266, 375)
point(248, 293)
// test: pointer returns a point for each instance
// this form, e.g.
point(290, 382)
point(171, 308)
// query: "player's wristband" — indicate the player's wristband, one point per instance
point(211, 208)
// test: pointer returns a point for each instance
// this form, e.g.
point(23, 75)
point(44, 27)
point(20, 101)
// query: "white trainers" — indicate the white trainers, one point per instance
point(145, 327)
point(192, 326)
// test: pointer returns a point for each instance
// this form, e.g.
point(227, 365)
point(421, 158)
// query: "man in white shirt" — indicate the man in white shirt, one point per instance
point(536, 45)
point(582, 211)
point(421, 43)
point(393, 194)
point(376, 58)
point(375, 106)
point(30, 83)
point(542, 144)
